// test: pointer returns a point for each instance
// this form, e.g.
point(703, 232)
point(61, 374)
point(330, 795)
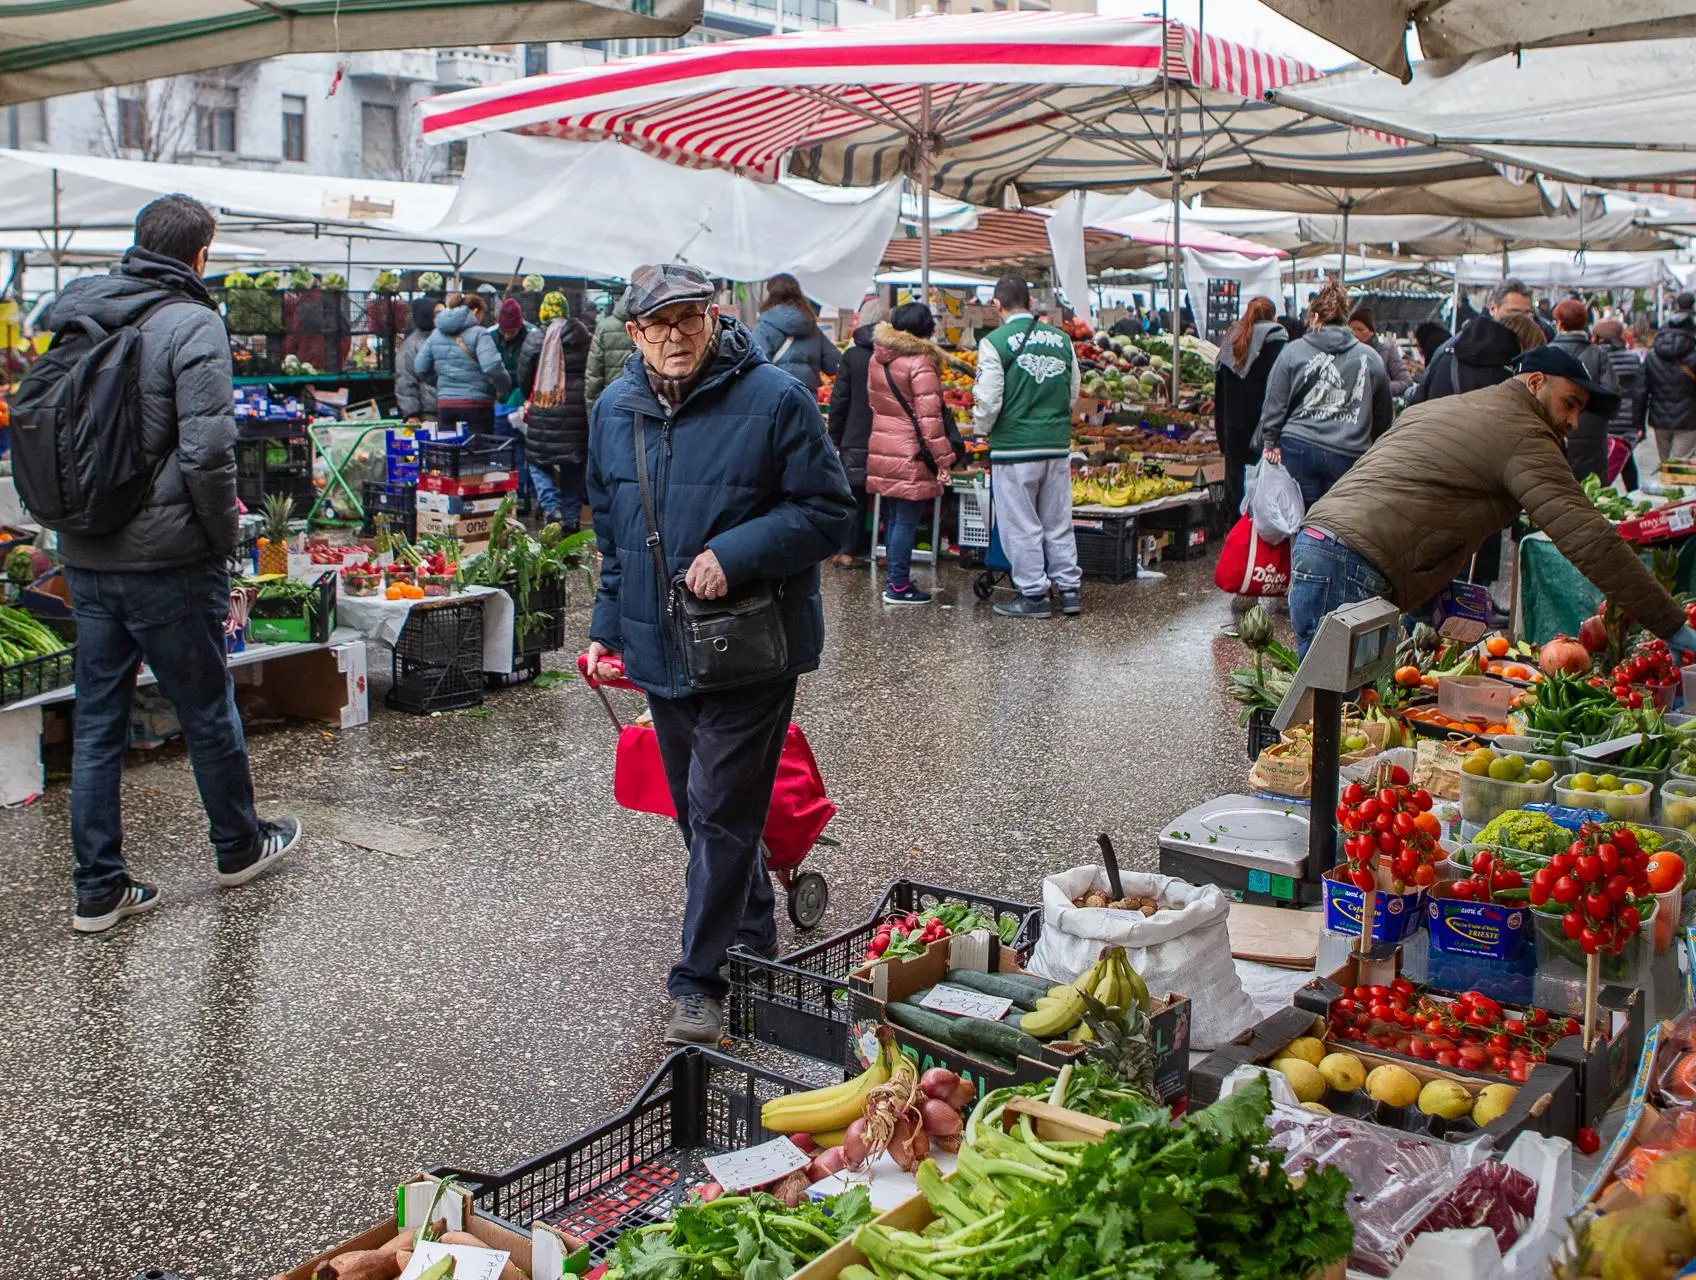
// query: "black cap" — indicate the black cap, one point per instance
point(1685, 302)
point(1558, 362)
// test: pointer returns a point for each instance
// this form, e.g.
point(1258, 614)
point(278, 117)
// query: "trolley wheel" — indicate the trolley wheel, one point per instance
point(808, 897)
point(983, 586)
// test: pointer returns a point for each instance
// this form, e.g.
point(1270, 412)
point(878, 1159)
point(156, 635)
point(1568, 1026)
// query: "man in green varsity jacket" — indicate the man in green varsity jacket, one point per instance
point(1027, 381)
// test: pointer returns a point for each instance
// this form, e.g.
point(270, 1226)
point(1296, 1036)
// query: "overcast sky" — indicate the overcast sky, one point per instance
point(1245, 21)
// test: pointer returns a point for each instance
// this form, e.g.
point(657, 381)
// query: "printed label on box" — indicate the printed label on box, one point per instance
point(1487, 929)
point(966, 1003)
point(469, 1262)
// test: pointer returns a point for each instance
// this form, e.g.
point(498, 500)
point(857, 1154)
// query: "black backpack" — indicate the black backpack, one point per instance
point(77, 455)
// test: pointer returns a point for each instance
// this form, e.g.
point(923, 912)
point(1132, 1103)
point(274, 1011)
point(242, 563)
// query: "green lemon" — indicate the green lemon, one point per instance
point(1607, 782)
point(1583, 782)
point(1633, 788)
point(1508, 768)
point(1478, 762)
point(1540, 771)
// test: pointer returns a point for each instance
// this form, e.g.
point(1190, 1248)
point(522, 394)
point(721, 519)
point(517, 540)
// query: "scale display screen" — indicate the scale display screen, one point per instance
point(1353, 646)
point(1368, 648)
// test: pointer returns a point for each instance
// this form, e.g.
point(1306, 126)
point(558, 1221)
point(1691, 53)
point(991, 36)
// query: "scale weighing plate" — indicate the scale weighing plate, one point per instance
point(1255, 849)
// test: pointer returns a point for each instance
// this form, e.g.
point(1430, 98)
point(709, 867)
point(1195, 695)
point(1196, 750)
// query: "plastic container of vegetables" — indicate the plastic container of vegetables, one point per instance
point(1688, 676)
point(1561, 960)
point(1618, 805)
point(1483, 797)
point(1534, 748)
point(1678, 804)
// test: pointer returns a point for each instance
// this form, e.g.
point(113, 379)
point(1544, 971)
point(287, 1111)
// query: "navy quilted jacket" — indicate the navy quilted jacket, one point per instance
point(744, 467)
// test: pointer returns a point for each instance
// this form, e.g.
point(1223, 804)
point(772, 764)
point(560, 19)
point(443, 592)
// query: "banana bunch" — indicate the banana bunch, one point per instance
point(826, 1112)
point(1394, 733)
point(1111, 981)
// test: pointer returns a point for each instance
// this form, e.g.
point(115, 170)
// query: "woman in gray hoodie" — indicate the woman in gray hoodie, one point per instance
point(1328, 398)
point(1245, 363)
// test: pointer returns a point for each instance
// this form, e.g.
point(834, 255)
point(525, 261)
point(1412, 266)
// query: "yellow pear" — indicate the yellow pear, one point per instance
point(1307, 1048)
point(1446, 1098)
point(1304, 1078)
point(1492, 1103)
point(1393, 1086)
point(1342, 1071)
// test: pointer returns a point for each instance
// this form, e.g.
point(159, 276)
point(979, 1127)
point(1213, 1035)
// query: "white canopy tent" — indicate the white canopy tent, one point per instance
point(1376, 30)
point(529, 195)
point(1604, 115)
point(1551, 269)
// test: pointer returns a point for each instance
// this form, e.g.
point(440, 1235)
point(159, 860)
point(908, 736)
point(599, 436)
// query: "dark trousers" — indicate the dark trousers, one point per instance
point(559, 492)
point(858, 540)
point(474, 419)
point(720, 752)
point(173, 620)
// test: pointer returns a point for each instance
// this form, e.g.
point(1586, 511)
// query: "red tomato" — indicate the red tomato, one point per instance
point(1587, 1141)
point(1399, 775)
point(1588, 868)
point(1425, 876)
point(1363, 879)
point(1422, 798)
point(1447, 1058)
point(1597, 904)
point(1515, 1026)
point(1354, 793)
point(1618, 887)
point(1628, 920)
point(1572, 924)
point(1388, 800)
point(1608, 855)
point(1565, 891)
point(1404, 823)
point(1402, 987)
point(1517, 1072)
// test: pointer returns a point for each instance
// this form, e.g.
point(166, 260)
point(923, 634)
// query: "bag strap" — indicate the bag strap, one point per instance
point(470, 354)
point(923, 454)
point(1006, 358)
point(98, 334)
point(1454, 374)
point(1248, 564)
point(777, 356)
point(658, 551)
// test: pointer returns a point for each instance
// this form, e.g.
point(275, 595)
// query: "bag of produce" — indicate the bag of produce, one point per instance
point(1277, 507)
point(1251, 566)
point(1184, 947)
point(1284, 769)
point(1438, 770)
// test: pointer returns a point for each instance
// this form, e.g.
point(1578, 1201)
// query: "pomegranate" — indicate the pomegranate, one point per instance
point(1593, 634)
point(1563, 654)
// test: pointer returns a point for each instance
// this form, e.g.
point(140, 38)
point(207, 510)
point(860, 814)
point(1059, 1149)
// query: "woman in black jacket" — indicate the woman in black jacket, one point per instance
point(1245, 359)
point(851, 428)
point(556, 417)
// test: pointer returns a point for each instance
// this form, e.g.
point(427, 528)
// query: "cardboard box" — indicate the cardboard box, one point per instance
point(1202, 472)
point(484, 485)
point(1052, 1124)
point(1492, 930)
point(328, 685)
point(1395, 916)
point(543, 1254)
point(447, 504)
point(1169, 1018)
point(1599, 1075)
point(467, 529)
point(1662, 524)
point(1545, 1104)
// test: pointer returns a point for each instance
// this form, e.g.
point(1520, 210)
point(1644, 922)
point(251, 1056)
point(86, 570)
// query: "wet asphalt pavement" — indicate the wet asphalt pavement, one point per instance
point(464, 963)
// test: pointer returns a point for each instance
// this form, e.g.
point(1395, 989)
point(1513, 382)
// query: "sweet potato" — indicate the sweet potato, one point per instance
point(402, 1241)
point(342, 1263)
point(374, 1265)
point(404, 1256)
point(462, 1237)
point(509, 1271)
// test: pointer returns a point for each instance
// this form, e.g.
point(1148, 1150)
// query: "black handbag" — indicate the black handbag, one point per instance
point(736, 640)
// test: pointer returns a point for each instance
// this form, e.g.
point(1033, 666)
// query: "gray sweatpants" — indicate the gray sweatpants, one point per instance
point(1033, 510)
point(1675, 444)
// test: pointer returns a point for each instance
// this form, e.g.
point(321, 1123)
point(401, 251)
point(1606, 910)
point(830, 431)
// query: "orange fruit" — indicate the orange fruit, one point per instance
point(1496, 646)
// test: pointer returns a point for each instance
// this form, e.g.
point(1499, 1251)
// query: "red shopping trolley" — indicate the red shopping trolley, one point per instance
point(799, 812)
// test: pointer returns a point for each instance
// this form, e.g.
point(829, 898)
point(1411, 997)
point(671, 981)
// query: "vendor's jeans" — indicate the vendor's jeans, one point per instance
point(1033, 510)
point(721, 752)
point(173, 619)
point(904, 517)
point(1315, 467)
point(1326, 575)
point(559, 492)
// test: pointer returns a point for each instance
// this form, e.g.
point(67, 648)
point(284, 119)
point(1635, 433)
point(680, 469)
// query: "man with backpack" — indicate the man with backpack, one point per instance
point(139, 377)
point(1027, 380)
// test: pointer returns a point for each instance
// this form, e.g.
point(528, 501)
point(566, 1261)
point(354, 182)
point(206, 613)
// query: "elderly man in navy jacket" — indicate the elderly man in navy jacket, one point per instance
point(746, 489)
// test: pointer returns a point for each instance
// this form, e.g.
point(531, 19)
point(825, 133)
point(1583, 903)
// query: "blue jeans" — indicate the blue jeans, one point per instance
point(1314, 467)
point(559, 492)
point(903, 532)
point(172, 619)
point(720, 752)
point(1326, 575)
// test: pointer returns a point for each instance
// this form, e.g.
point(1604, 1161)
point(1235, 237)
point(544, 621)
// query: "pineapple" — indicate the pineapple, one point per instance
point(274, 534)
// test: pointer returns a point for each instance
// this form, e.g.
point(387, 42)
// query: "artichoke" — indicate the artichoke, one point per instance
point(1255, 629)
point(238, 280)
point(335, 281)
point(550, 535)
point(430, 281)
point(267, 280)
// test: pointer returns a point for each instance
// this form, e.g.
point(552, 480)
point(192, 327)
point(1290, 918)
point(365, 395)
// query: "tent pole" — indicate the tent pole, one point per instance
point(1454, 300)
point(1172, 101)
point(924, 194)
point(1343, 270)
point(57, 252)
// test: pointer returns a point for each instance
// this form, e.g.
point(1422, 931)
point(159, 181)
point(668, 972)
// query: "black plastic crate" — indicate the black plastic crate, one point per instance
point(799, 1002)
point(438, 662)
point(1261, 734)
point(1107, 548)
point(399, 502)
point(471, 456)
point(635, 1169)
point(26, 679)
point(1186, 524)
point(275, 464)
point(547, 608)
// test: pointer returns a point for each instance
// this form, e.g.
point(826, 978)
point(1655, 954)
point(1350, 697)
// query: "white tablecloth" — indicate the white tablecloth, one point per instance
point(380, 619)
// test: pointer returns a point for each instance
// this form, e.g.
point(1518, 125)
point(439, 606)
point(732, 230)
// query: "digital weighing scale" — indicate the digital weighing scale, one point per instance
point(1269, 850)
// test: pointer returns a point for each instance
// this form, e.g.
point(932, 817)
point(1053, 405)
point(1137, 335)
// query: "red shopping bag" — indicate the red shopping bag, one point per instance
point(1249, 567)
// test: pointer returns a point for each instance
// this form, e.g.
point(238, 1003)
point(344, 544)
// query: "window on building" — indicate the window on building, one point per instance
point(535, 59)
point(215, 121)
point(456, 158)
point(24, 125)
point(132, 123)
point(294, 127)
point(379, 135)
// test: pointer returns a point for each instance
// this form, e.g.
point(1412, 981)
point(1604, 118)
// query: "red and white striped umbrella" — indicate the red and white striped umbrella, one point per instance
point(979, 103)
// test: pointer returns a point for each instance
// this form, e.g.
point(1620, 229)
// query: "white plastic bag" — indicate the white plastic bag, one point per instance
point(1277, 506)
point(1185, 948)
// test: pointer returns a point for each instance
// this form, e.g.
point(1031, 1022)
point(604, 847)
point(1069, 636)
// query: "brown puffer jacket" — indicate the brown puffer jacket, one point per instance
point(1455, 470)
point(894, 466)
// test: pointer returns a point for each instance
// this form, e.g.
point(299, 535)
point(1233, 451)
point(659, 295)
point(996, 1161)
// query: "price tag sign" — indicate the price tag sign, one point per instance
point(756, 1166)
point(469, 1263)
point(1680, 519)
point(966, 1003)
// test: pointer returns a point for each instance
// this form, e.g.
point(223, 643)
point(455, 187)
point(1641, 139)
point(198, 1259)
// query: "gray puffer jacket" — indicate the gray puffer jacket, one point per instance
point(187, 416)
point(462, 360)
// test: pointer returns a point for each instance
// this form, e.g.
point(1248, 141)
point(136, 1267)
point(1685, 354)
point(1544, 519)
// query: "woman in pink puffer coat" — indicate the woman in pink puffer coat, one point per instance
point(909, 455)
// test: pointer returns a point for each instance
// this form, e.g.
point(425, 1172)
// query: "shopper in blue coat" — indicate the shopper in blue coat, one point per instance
point(746, 488)
point(461, 360)
point(789, 334)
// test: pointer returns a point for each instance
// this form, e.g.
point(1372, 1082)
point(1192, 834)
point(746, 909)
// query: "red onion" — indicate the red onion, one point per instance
point(707, 1191)
point(825, 1164)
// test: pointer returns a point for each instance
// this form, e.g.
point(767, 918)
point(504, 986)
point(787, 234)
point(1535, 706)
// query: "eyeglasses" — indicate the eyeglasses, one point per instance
point(689, 324)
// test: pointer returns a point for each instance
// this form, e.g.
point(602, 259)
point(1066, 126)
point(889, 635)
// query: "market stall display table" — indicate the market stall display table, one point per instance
point(325, 682)
point(382, 620)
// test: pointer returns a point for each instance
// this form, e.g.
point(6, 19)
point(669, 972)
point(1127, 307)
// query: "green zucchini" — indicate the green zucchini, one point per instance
point(994, 1037)
point(934, 1025)
point(1022, 990)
